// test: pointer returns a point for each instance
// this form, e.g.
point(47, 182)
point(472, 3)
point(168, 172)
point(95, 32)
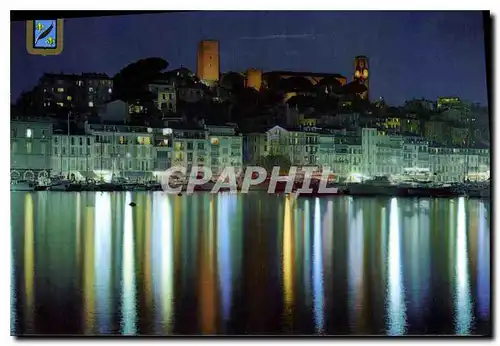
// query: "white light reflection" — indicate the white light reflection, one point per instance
point(224, 210)
point(395, 305)
point(162, 256)
point(128, 303)
point(355, 273)
point(463, 304)
point(102, 261)
point(483, 270)
point(318, 269)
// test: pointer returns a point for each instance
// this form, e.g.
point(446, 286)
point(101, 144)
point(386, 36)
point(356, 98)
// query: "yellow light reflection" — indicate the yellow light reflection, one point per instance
point(224, 254)
point(307, 253)
point(148, 256)
point(463, 304)
point(88, 273)
point(483, 264)
point(167, 264)
point(288, 261)
point(102, 261)
point(396, 304)
point(29, 262)
point(128, 303)
point(207, 280)
point(78, 230)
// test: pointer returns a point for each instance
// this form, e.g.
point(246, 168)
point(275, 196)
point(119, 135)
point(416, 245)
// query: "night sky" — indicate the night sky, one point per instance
point(412, 54)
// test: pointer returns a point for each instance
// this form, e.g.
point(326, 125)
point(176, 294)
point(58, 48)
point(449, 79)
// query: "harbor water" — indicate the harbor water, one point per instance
point(90, 263)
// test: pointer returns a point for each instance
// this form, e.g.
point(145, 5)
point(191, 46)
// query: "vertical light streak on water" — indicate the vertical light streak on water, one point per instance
point(102, 262)
point(383, 243)
point(288, 262)
point(463, 304)
point(128, 297)
point(167, 266)
point(89, 273)
point(224, 254)
point(355, 273)
point(414, 232)
point(29, 264)
point(78, 230)
point(451, 243)
point(328, 229)
point(307, 253)
point(148, 256)
point(318, 269)
point(423, 255)
point(395, 305)
point(207, 289)
point(483, 270)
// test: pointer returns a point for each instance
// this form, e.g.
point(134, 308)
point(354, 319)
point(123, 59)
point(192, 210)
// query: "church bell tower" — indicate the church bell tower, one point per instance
point(362, 74)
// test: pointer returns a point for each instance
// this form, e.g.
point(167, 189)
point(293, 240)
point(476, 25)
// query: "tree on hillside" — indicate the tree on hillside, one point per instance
point(131, 83)
point(296, 84)
point(233, 81)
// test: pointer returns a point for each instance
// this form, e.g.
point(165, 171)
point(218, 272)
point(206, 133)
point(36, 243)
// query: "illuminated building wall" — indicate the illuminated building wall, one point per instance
point(361, 73)
point(208, 61)
point(314, 78)
point(254, 79)
point(448, 102)
point(30, 147)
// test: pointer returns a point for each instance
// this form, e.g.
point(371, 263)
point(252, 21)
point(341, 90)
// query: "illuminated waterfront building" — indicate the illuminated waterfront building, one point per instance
point(29, 147)
point(226, 147)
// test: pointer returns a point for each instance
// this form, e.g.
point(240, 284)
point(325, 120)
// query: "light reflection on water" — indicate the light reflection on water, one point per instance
point(206, 264)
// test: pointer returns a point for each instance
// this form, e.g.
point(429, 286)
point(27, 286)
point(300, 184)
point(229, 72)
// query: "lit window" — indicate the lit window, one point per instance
point(214, 141)
point(91, 89)
point(69, 98)
point(91, 104)
point(29, 133)
point(60, 90)
point(60, 104)
point(167, 131)
point(110, 90)
point(165, 141)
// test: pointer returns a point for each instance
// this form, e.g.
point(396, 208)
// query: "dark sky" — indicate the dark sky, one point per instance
point(412, 54)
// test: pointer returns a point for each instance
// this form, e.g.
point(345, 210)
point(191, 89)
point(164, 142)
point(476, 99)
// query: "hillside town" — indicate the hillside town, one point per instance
point(148, 118)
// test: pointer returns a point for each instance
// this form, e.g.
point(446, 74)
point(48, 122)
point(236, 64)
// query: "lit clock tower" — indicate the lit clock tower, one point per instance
point(361, 73)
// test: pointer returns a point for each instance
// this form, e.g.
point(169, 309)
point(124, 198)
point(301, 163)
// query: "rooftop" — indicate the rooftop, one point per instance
point(303, 74)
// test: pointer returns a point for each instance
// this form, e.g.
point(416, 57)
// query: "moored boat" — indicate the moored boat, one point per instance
point(22, 185)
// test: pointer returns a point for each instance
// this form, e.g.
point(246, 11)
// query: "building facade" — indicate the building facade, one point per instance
point(30, 153)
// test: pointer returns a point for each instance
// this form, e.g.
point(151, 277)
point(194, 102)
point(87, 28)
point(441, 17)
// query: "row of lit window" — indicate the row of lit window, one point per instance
point(91, 89)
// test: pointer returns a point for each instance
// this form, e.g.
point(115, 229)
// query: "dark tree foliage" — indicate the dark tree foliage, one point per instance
point(233, 81)
point(296, 84)
point(131, 83)
point(352, 88)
